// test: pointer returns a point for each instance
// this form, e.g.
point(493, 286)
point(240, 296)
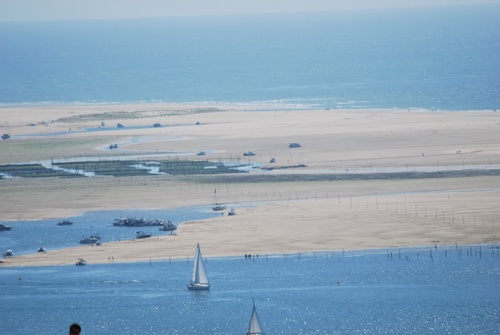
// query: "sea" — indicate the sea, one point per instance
point(444, 58)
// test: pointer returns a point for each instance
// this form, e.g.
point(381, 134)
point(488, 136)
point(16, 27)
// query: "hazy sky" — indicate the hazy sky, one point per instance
point(35, 10)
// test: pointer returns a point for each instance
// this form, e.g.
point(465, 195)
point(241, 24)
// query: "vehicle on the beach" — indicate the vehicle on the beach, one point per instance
point(4, 227)
point(294, 145)
point(201, 153)
point(168, 226)
point(113, 146)
point(81, 262)
point(157, 125)
point(119, 125)
point(131, 221)
point(65, 223)
point(42, 249)
point(8, 253)
point(141, 234)
point(92, 239)
point(199, 279)
point(5, 136)
point(231, 212)
point(249, 153)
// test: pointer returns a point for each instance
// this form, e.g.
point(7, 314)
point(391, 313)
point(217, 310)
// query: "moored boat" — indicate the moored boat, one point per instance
point(131, 221)
point(4, 227)
point(168, 226)
point(92, 239)
point(141, 234)
point(216, 206)
point(65, 223)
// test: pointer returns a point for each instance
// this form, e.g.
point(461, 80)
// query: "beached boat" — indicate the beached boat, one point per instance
point(216, 206)
point(8, 253)
point(231, 212)
point(141, 234)
point(65, 223)
point(42, 249)
point(255, 328)
point(4, 227)
point(199, 279)
point(92, 239)
point(81, 262)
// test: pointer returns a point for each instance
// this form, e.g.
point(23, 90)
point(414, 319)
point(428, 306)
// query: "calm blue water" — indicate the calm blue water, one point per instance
point(444, 58)
point(456, 291)
point(27, 236)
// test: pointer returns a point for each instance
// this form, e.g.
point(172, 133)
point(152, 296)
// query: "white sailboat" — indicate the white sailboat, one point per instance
point(199, 279)
point(255, 328)
point(217, 206)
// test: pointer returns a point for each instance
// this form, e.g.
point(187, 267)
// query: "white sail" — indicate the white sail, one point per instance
point(199, 278)
point(255, 328)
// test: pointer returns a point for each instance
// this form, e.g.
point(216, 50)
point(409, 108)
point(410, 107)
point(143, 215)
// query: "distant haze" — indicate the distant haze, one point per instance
point(46, 10)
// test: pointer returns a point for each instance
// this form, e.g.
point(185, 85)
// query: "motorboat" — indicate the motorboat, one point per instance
point(81, 262)
point(168, 226)
point(141, 234)
point(92, 239)
point(4, 227)
point(65, 223)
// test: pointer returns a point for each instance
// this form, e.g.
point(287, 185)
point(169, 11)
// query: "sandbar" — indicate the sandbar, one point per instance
point(361, 179)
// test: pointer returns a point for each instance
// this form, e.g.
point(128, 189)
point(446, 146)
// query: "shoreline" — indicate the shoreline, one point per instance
point(299, 209)
point(271, 105)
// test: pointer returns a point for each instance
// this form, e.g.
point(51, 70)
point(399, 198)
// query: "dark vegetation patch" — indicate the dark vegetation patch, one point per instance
point(33, 171)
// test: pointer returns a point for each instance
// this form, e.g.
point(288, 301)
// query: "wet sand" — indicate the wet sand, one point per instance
point(302, 205)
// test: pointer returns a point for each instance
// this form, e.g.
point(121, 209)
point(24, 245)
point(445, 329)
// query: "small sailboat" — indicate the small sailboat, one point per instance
point(255, 328)
point(199, 279)
point(217, 206)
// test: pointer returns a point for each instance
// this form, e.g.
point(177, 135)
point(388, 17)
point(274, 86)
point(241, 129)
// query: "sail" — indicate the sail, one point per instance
point(255, 328)
point(199, 279)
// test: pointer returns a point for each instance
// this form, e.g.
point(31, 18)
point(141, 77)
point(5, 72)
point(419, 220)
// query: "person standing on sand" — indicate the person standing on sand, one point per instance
point(75, 329)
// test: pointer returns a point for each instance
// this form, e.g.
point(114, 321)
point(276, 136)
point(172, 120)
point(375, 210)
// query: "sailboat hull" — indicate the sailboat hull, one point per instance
point(198, 287)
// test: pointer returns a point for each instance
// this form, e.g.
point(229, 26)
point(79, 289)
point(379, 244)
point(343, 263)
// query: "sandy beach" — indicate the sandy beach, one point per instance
point(361, 178)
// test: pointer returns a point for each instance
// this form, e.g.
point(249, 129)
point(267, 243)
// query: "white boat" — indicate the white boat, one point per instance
point(141, 234)
point(255, 328)
point(217, 206)
point(91, 240)
point(199, 279)
point(81, 262)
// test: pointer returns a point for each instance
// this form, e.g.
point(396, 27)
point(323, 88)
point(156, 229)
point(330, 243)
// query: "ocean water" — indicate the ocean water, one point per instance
point(448, 290)
point(436, 58)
